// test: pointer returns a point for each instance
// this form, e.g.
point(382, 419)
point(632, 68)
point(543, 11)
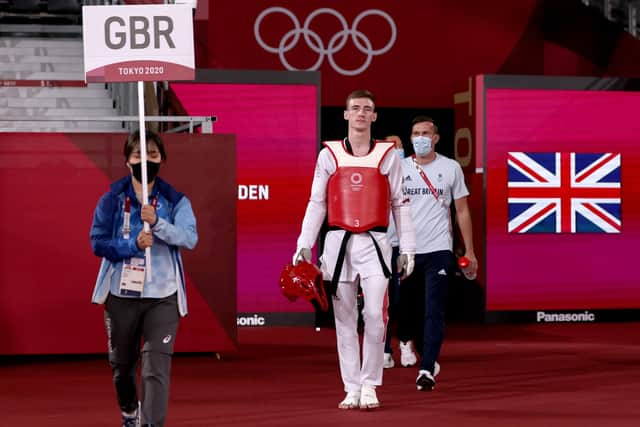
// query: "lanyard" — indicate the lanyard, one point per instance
point(426, 180)
point(126, 223)
point(126, 226)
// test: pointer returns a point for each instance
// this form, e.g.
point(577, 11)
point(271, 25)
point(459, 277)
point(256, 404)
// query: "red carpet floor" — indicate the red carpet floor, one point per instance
point(538, 375)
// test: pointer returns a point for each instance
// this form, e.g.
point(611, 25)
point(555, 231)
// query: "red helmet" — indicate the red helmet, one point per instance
point(304, 280)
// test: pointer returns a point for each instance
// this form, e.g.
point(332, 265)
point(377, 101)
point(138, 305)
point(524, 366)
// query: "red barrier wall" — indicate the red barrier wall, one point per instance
point(50, 184)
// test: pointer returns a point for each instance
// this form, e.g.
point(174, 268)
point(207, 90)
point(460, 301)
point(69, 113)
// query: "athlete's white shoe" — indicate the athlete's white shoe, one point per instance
point(368, 398)
point(436, 369)
point(388, 361)
point(351, 401)
point(407, 356)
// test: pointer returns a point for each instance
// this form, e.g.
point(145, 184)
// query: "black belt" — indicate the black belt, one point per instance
point(341, 253)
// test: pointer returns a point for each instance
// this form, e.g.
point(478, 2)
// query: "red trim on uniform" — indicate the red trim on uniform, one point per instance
point(385, 153)
point(335, 159)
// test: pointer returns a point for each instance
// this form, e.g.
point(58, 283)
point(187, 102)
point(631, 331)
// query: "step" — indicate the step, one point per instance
point(34, 42)
point(39, 75)
point(28, 113)
point(29, 59)
point(42, 66)
point(61, 102)
point(91, 91)
point(42, 29)
point(40, 51)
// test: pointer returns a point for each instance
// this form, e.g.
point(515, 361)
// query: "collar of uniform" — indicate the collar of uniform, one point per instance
point(347, 145)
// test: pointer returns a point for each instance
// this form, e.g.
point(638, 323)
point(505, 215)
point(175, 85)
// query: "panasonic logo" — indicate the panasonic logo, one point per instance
point(254, 320)
point(541, 316)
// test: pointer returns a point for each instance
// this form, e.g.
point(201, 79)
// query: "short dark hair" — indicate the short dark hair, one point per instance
point(133, 141)
point(421, 119)
point(360, 93)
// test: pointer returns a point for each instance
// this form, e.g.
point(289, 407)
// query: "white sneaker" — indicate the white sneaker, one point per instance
point(425, 381)
point(351, 401)
point(407, 356)
point(436, 369)
point(388, 361)
point(368, 398)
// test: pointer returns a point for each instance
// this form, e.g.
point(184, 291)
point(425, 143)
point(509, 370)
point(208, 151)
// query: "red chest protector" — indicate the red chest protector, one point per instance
point(357, 193)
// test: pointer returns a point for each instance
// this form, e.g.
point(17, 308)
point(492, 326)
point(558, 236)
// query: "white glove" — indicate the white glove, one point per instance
point(406, 263)
point(302, 254)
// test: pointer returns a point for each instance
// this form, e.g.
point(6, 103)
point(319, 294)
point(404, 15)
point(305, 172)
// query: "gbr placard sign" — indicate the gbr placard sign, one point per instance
point(138, 43)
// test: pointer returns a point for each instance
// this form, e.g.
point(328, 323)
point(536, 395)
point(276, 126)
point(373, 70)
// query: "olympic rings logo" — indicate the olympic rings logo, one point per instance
point(315, 42)
point(356, 178)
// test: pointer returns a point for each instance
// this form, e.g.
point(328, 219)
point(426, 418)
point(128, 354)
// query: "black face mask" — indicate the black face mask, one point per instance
point(152, 171)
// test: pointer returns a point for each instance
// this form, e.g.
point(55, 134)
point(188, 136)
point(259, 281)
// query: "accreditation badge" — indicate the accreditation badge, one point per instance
point(132, 277)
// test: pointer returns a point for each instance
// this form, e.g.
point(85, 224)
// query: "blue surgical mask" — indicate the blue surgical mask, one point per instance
point(422, 145)
point(400, 152)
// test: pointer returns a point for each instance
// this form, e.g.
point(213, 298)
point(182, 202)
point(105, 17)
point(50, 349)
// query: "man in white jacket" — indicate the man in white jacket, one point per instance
point(357, 182)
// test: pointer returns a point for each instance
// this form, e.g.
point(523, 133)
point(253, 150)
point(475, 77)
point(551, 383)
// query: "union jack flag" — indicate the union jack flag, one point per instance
point(564, 192)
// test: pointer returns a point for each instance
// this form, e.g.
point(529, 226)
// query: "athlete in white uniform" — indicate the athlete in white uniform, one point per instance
point(432, 182)
point(370, 184)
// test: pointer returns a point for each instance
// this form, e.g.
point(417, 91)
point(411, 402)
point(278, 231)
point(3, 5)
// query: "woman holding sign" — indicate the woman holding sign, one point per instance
point(140, 306)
